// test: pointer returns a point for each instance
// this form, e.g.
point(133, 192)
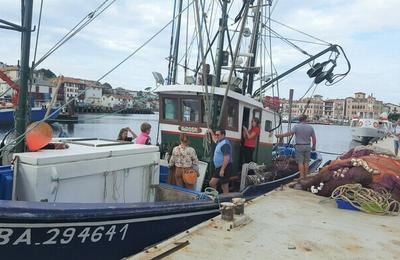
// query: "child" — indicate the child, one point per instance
point(144, 136)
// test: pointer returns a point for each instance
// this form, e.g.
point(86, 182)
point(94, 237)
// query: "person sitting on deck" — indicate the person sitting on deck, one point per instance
point(183, 157)
point(222, 160)
point(144, 136)
point(250, 139)
point(123, 135)
point(303, 133)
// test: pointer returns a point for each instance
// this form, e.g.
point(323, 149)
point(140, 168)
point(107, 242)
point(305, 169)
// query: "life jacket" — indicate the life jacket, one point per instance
point(219, 155)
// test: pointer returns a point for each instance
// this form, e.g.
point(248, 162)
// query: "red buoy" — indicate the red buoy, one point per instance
point(38, 136)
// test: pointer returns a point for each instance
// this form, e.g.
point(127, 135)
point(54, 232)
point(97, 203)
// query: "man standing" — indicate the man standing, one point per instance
point(222, 160)
point(303, 133)
point(397, 137)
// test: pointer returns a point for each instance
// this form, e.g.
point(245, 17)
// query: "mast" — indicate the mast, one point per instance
point(176, 45)
point(21, 111)
point(249, 75)
point(223, 21)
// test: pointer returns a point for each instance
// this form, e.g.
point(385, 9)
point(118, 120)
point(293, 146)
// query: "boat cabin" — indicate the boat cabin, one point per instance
point(182, 109)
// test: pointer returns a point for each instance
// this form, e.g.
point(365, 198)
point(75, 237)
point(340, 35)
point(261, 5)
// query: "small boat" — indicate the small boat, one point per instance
point(366, 130)
point(37, 114)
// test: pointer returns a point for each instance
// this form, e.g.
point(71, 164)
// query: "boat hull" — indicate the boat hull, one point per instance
point(37, 114)
point(94, 233)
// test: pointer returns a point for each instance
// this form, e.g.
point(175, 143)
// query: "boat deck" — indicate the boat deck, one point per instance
point(287, 224)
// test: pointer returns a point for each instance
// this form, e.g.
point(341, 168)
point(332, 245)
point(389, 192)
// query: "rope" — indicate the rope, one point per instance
point(209, 193)
point(76, 29)
point(367, 200)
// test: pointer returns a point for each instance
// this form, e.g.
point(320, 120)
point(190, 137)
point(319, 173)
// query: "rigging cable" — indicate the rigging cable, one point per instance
point(20, 138)
point(296, 30)
point(76, 29)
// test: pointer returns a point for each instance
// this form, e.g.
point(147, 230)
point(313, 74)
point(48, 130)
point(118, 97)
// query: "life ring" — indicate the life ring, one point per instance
point(376, 125)
point(360, 123)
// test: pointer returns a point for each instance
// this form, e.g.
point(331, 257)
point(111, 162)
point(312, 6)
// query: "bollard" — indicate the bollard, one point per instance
point(239, 205)
point(227, 209)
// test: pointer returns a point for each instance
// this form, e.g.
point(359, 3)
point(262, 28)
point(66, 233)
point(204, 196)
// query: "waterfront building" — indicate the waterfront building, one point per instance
point(115, 101)
point(363, 106)
point(334, 109)
point(391, 108)
point(13, 73)
point(71, 87)
point(313, 107)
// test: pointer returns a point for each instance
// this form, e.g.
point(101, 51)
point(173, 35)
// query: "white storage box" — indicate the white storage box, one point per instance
point(91, 170)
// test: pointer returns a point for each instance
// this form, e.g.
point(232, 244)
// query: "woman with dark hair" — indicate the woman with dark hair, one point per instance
point(123, 135)
point(183, 157)
point(250, 139)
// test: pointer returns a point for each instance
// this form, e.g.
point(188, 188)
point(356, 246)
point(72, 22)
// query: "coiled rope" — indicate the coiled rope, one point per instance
point(367, 200)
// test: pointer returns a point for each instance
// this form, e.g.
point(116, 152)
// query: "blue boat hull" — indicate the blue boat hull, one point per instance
point(95, 232)
point(37, 114)
point(104, 231)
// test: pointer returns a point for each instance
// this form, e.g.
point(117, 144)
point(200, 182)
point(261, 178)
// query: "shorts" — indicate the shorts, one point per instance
point(227, 174)
point(396, 144)
point(303, 153)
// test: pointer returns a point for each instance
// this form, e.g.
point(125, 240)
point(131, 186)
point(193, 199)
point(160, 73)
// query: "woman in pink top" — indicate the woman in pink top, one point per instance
point(144, 136)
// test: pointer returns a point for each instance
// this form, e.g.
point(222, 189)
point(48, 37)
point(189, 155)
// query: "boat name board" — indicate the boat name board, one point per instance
point(66, 235)
point(189, 129)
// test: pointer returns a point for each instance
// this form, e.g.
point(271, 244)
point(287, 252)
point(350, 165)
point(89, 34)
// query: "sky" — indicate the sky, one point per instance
point(368, 30)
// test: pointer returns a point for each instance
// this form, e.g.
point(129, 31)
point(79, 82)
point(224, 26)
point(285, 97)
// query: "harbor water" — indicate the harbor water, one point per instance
point(330, 138)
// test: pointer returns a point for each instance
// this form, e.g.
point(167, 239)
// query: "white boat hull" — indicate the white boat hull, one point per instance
point(365, 130)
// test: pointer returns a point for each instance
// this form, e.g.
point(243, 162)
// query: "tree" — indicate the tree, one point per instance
point(47, 73)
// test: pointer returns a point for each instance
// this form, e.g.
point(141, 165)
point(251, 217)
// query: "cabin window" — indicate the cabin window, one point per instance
point(268, 125)
point(171, 109)
point(191, 110)
point(232, 114)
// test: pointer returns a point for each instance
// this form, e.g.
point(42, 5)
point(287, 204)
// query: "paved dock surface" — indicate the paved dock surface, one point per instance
point(288, 224)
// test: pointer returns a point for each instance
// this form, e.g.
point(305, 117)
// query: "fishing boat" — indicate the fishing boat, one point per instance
point(102, 199)
point(365, 130)
point(37, 114)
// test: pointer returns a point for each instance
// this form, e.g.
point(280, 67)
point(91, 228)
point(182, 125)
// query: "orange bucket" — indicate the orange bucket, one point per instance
point(189, 176)
point(38, 136)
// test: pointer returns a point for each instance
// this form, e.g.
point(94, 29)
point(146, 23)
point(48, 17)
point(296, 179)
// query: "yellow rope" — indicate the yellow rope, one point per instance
point(367, 200)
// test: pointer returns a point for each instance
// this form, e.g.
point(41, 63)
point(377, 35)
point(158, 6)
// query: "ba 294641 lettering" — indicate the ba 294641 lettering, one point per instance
point(64, 235)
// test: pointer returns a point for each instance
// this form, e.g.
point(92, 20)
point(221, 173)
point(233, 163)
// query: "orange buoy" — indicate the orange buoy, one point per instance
point(38, 136)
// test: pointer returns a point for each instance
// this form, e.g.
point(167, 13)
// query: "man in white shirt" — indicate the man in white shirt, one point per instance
point(397, 137)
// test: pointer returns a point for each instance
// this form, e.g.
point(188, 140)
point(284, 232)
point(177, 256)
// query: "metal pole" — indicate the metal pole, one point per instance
point(290, 109)
point(176, 47)
point(223, 21)
point(224, 101)
point(20, 118)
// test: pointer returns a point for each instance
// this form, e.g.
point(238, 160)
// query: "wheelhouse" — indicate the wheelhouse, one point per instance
point(182, 109)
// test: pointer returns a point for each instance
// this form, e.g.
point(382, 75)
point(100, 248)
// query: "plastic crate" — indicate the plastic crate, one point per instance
point(163, 174)
point(314, 155)
point(345, 205)
point(6, 182)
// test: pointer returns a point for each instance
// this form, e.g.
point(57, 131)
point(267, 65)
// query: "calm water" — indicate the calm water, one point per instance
point(332, 139)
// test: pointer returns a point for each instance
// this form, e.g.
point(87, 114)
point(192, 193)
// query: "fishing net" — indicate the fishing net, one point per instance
point(367, 200)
